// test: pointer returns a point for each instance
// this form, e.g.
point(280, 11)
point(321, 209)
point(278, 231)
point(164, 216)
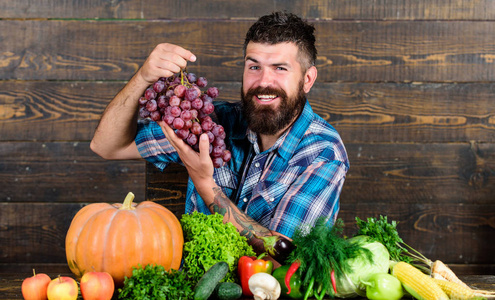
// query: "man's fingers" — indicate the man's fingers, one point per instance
point(204, 146)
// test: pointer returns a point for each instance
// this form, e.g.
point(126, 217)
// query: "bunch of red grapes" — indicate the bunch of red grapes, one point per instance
point(179, 101)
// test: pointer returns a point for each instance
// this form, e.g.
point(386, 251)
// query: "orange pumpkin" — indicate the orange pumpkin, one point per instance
point(114, 238)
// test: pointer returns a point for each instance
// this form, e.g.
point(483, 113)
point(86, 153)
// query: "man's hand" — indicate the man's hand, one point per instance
point(198, 165)
point(164, 61)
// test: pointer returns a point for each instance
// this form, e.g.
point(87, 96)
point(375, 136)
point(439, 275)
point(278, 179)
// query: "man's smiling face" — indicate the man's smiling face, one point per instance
point(273, 88)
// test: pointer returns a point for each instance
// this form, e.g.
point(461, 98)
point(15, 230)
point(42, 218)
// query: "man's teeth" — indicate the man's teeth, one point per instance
point(266, 97)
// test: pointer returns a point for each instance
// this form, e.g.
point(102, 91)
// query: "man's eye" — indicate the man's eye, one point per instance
point(281, 69)
point(254, 68)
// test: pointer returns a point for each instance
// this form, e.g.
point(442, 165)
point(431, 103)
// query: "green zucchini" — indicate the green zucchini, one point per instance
point(227, 291)
point(206, 285)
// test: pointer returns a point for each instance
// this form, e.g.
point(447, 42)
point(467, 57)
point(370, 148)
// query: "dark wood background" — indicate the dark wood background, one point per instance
point(410, 85)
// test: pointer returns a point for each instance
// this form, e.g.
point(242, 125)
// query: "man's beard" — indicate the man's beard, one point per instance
point(263, 119)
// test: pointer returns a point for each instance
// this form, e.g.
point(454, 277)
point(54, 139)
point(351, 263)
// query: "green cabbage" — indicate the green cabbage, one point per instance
point(350, 285)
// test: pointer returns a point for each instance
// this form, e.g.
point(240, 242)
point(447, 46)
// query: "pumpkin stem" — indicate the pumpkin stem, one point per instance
point(128, 202)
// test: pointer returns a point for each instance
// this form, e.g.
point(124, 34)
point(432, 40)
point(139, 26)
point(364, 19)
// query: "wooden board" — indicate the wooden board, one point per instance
point(228, 9)
point(348, 51)
point(362, 112)
point(65, 172)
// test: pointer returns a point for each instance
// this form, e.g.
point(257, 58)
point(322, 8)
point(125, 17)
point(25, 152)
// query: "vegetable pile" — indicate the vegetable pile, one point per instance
point(205, 258)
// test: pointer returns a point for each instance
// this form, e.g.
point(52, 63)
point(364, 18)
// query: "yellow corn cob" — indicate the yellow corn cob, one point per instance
point(457, 291)
point(417, 283)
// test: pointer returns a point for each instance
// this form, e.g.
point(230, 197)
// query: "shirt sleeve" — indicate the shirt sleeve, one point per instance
point(314, 194)
point(153, 145)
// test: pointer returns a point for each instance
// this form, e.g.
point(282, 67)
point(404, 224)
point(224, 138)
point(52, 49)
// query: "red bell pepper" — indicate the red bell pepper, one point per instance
point(250, 265)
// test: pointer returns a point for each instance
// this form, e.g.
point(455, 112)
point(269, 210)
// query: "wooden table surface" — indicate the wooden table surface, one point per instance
point(11, 277)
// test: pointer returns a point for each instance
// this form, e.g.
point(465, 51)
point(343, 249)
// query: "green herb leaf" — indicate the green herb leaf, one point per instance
point(154, 282)
point(386, 233)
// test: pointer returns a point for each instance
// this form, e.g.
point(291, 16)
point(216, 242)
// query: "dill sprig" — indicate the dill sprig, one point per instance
point(321, 249)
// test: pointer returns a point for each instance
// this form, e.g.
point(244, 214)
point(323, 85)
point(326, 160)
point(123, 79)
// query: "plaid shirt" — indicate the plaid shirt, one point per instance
point(297, 180)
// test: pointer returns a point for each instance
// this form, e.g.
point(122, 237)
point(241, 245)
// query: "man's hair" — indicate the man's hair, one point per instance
point(281, 27)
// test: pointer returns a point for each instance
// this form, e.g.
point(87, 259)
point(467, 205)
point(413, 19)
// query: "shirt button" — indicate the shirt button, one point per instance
point(257, 165)
point(245, 200)
point(271, 199)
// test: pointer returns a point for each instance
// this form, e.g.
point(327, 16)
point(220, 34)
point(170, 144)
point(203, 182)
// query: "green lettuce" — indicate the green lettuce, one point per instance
point(207, 240)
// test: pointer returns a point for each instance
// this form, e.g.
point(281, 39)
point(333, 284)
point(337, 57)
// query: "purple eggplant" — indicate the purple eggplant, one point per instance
point(277, 246)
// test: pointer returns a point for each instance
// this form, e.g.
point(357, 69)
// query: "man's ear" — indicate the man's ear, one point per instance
point(310, 78)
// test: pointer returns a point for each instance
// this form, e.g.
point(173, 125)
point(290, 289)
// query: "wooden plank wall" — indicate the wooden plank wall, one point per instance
point(410, 85)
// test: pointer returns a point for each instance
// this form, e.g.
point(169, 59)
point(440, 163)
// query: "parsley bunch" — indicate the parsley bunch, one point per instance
point(386, 233)
point(154, 283)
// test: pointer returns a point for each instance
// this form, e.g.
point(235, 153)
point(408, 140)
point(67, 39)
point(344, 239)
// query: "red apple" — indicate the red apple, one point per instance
point(62, 288)
point(97, 286)
point(34, 288)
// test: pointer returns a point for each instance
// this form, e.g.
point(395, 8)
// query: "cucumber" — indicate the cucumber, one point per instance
point(206, 285)
point(227, 291)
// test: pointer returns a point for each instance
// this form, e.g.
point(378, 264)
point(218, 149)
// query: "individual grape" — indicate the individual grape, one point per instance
point(188, 124)
point(191, 77)
point(155, 115)
point(174, 100)
point(208, 108)
point(149, 93)
point(191, 94)
point(185, 105)
point(162, 101)
point(194, 113)
point(211, 137)
point(207, 119)
point(218, 142)
point(180, 90)
point(143, 112)
point(159, 86)
point(226, 156)
point(169, 119)
point(206, 98)
point(178, 123)
point(217, 162)
point(197, 104)
point(206, 125)
point(217, 151)
point(182, 133)
point(218, 130)
point(186, 115)
point(169, 93)
point(151, 105)
point(202, 82)
point(142, 101)
point(212, 92)
point(175, 111)
point(201, 115)
point(192, 139)
point(196, 128)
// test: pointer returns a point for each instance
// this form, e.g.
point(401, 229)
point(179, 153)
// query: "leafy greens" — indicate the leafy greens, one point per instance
point(154, 283)
point(321, 249)
point(207, 240)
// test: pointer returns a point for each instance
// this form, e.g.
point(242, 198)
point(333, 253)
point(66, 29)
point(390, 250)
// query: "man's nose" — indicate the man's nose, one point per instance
point(266, 78)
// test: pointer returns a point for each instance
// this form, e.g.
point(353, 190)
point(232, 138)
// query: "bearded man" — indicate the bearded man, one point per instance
point(288, 165)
